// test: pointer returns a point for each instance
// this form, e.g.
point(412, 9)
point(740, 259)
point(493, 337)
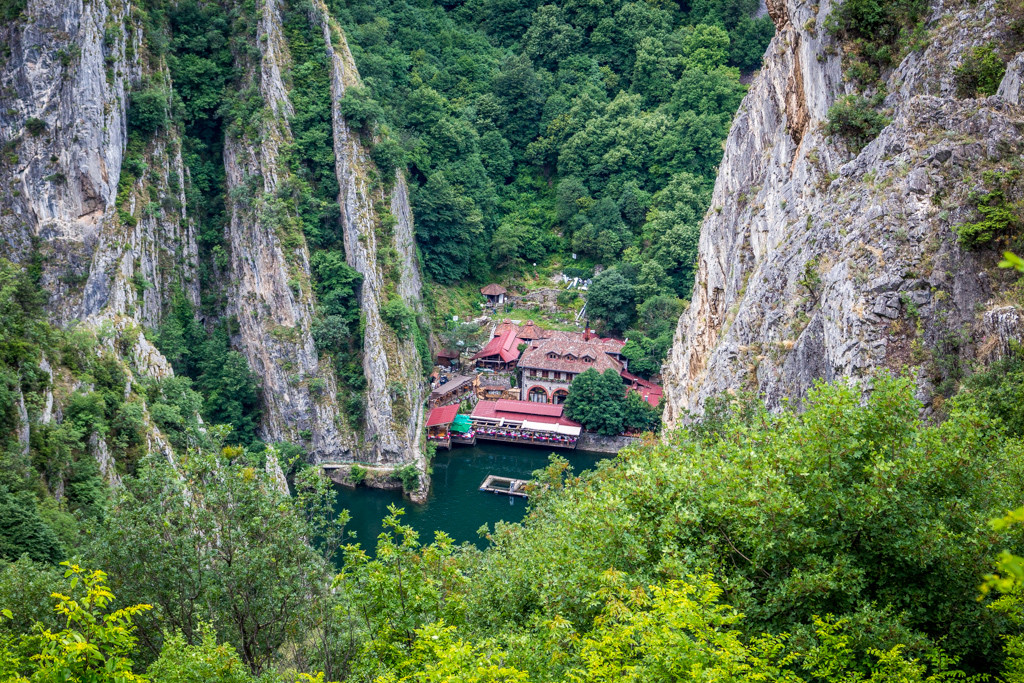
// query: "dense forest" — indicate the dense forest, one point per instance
point(540, 133)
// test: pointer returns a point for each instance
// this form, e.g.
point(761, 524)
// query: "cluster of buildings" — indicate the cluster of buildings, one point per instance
point(547, 361)
point(544, 364)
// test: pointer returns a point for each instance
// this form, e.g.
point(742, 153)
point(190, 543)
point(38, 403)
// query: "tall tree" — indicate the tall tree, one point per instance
point(597, 400)
point(611, 298)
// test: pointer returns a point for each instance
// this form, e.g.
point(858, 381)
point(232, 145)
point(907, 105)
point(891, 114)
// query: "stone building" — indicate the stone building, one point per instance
point(549, 364)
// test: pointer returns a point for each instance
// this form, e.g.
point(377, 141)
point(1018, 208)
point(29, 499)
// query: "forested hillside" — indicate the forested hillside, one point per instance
point(535, 131)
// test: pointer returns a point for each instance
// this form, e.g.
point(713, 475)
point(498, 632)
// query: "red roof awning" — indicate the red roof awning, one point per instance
point(442, 416)
point(507, 409)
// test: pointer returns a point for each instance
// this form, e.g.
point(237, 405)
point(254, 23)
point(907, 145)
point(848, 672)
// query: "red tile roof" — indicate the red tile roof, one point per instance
point(571, 349)
point(650, 391)
point(503, 344)
point(522, 410)
point(442, 416)
point(530, 331)
point(493, 290)
point(651, 395)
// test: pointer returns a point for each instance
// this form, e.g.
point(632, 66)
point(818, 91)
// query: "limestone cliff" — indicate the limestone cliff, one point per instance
point(276, 316)
point(816, 262)
point(394, 400)
point(115, 239)
point(63, 106)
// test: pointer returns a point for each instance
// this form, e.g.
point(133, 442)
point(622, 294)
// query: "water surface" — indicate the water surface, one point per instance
point(456, 505)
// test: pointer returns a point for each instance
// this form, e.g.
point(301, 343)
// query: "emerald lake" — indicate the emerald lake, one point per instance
point(456, 505)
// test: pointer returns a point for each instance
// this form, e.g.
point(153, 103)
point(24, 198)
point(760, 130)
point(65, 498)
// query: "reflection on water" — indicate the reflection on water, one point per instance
point(455, 505)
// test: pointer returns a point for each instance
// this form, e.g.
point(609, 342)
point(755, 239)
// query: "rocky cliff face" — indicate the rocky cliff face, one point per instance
point(116, 242)
point(817, 263)
point(276, 316)
point(64, 86)
point(394, 400)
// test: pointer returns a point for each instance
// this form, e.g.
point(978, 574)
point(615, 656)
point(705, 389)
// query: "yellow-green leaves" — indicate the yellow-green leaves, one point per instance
point(94, 647)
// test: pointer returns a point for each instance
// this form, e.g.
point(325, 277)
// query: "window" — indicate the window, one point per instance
point(559, 396)
point(538, 395)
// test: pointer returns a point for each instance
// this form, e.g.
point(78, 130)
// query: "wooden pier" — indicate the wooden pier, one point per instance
point(504, 485)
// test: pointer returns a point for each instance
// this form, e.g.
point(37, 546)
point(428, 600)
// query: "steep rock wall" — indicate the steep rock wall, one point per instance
point(274, 317)
point(396, 391)
point(815, 263)
point(63, 103)
point(273, 297)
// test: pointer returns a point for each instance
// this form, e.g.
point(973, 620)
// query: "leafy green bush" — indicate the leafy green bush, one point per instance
point(12, 9)
point(878, 32)
point(1000, 215)
point(854, 118)
point(147, 111)
point(360, 109)
point(388, 154)
point(567, 296)
point(980, 72)
point(34, 126)
point(399, 317)
point(409, 475)
point(357, 474)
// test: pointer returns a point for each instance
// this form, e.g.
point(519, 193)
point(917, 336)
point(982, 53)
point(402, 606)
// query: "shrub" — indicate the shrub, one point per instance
point(357, 475)
point(133, 165)
point(980, 72)
point(854, 118)
point(11, 9)
point(388, 155)
point(359, 109)
point(147, 111)
point(878, 31)
point(999, 216)
point(566, 297)
point(34, 126)
point(409, 476)
point(398, 316)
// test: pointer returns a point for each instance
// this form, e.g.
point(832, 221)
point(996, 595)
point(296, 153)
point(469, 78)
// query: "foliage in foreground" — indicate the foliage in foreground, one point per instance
point(848, 541)
point(843, 544)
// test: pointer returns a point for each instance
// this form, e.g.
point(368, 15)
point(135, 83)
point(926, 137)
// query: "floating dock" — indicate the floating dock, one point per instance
point(504, 485)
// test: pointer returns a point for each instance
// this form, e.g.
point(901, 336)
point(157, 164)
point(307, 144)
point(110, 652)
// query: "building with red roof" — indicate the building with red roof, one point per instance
point(438, 422)
point(550, 364)
point(443, 416)
point(511, 412)
point(648, 390)
point(502, 351)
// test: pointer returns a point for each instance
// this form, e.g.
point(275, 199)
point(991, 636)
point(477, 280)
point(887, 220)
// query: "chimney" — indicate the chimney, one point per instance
point(586, 332)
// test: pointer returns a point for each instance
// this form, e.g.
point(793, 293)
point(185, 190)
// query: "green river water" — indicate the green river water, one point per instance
point(455, 505)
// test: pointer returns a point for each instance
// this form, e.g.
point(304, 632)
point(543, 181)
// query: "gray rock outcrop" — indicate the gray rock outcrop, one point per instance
point(117, 244)
point(815, 263)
